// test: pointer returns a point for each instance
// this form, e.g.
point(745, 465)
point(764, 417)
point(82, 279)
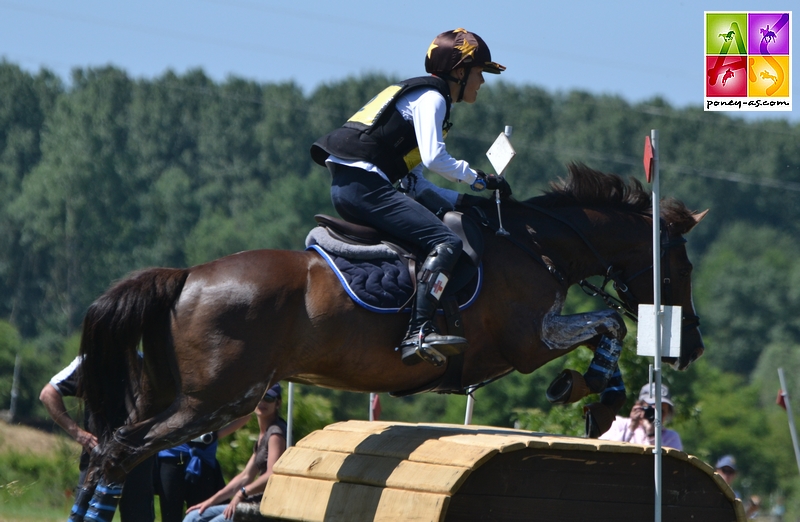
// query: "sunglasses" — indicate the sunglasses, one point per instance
point(269, 398)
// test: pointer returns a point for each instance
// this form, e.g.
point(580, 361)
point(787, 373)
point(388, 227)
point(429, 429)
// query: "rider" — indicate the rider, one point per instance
point(388, 141)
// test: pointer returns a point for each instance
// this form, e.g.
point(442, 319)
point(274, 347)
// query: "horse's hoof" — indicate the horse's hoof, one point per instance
point(599, 418)
point(567, 388)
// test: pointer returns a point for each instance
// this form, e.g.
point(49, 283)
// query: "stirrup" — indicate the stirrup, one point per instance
point(428, 345)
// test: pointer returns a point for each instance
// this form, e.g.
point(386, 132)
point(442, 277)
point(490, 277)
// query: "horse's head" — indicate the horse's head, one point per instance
point(676, 280)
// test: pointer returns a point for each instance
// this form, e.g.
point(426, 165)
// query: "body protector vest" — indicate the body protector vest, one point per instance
point(379, 134)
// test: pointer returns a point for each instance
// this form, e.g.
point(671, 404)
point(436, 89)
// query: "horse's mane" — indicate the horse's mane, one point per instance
point(588, 187)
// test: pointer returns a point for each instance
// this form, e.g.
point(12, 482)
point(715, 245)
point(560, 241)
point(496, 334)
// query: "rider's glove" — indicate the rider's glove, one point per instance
point(491, 182)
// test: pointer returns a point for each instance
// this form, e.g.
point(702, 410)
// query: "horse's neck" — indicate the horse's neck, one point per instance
point(591, 242)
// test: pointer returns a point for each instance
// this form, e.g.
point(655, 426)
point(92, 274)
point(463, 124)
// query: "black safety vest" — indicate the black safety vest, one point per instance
point(378, 134)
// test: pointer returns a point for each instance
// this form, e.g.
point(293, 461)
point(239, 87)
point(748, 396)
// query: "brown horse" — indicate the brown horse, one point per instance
point(217, 335)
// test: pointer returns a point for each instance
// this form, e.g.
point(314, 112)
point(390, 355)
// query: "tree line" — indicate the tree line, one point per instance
point(109, 174)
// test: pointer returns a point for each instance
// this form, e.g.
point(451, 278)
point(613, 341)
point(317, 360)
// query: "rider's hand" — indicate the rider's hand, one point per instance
point(491, 182)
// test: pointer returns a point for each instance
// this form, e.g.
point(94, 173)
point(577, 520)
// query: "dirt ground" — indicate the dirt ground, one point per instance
point(23, 438)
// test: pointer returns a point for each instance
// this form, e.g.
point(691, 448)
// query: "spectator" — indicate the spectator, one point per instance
point(136, 504)
point(249, 485)
point(726, 467)
point(190, 473)
point(639, 428)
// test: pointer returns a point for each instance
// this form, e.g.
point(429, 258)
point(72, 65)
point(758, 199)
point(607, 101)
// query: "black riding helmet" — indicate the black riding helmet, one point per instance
point(459, 48)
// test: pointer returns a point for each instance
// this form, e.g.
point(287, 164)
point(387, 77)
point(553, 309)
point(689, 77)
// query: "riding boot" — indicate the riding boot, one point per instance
point(423, 341)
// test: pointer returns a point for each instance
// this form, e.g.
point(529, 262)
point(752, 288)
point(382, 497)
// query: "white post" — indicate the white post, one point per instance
point(289, 416)
point(15, 389)
point(657, 322)
point(470, 405)
point(371, 412)
point(792, 429)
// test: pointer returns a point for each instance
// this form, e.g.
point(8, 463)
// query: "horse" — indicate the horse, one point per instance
point(215, 336)
point(768, 36)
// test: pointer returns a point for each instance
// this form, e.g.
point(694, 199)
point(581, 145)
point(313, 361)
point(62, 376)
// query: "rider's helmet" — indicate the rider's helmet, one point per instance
point(459, 48)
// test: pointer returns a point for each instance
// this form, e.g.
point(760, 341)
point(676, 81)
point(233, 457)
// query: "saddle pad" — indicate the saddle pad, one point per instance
point(384, 285)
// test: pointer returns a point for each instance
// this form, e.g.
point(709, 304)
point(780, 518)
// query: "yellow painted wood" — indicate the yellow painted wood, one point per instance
point(303, 499)
point(371, 470)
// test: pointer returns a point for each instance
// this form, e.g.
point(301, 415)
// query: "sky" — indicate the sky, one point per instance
point(634, 49)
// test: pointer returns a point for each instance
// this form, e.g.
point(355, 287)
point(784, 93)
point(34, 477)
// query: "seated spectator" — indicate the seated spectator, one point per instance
point(249, 485)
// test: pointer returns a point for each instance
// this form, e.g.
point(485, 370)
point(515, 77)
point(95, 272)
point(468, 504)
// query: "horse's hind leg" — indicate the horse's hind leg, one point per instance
point(95, 500)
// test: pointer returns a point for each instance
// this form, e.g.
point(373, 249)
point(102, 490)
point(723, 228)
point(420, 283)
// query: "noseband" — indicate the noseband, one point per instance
point(629, 304)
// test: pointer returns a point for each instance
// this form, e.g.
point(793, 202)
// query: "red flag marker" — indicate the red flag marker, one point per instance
point(781, 400)
point(376, 407)
point(649, 161)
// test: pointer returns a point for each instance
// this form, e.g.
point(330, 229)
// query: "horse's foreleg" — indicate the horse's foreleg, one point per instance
point(600, 415)
point(605, 328)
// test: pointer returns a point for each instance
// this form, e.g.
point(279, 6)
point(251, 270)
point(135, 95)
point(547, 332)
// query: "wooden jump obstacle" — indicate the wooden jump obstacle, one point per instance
point(380, 471)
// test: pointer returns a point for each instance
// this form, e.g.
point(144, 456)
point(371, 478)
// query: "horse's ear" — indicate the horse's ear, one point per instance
point(698, 216)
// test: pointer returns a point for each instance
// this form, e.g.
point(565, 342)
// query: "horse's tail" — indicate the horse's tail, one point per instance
point(136, 308)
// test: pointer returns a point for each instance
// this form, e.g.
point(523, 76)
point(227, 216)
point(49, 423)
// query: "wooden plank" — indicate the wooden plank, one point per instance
point(501, 444)
point(310, 500)
point(590, 476)
point(397, 505)
point(479, 509)
point(371, 470)
point(446, 451)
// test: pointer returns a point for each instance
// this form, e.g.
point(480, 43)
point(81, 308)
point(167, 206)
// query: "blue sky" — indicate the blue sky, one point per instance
point(634, 49)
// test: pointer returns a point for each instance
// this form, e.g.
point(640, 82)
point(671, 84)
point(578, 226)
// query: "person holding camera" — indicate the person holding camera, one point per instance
point(640, 427)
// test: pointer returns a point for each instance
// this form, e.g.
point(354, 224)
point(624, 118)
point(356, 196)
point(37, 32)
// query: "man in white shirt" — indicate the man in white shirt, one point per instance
point(390, 140)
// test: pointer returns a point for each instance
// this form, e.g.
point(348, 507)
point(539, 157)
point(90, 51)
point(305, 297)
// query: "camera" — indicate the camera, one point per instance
point(205, 438)
point(650, 413)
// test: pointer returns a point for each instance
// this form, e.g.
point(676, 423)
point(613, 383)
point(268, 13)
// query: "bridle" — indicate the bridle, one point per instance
point(627, 303)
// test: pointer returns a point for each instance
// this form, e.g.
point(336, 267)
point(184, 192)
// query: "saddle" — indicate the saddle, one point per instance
point(358, 242)
point(363, 242)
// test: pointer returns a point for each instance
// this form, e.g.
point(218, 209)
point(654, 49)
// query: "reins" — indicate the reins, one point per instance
point(629, 301)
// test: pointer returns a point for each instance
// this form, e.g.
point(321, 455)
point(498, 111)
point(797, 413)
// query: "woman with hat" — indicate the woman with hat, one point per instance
point(387, 143)
point(249, 485)
point(640, 428)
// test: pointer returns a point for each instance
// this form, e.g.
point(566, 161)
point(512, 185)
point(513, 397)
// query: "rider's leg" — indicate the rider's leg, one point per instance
point(423, 341)
point(366, 198)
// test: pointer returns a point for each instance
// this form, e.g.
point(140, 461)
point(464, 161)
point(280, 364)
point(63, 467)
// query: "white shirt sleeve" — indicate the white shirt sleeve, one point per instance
point(427, 109)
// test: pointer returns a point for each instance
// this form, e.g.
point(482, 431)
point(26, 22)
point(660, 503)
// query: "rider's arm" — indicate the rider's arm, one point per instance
point(415, 184)
point(428, 110)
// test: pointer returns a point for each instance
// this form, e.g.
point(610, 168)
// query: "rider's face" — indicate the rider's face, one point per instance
point(474, 82)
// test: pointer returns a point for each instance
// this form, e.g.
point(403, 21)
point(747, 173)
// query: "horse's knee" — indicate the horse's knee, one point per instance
point(616, 326)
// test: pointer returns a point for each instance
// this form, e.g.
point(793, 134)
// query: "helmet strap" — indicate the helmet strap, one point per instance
point(462, 82)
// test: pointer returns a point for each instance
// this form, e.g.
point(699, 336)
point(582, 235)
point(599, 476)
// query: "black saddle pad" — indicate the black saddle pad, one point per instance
point(384, 285)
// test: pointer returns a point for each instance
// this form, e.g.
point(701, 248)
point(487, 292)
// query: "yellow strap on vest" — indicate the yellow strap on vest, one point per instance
point(369, 113)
